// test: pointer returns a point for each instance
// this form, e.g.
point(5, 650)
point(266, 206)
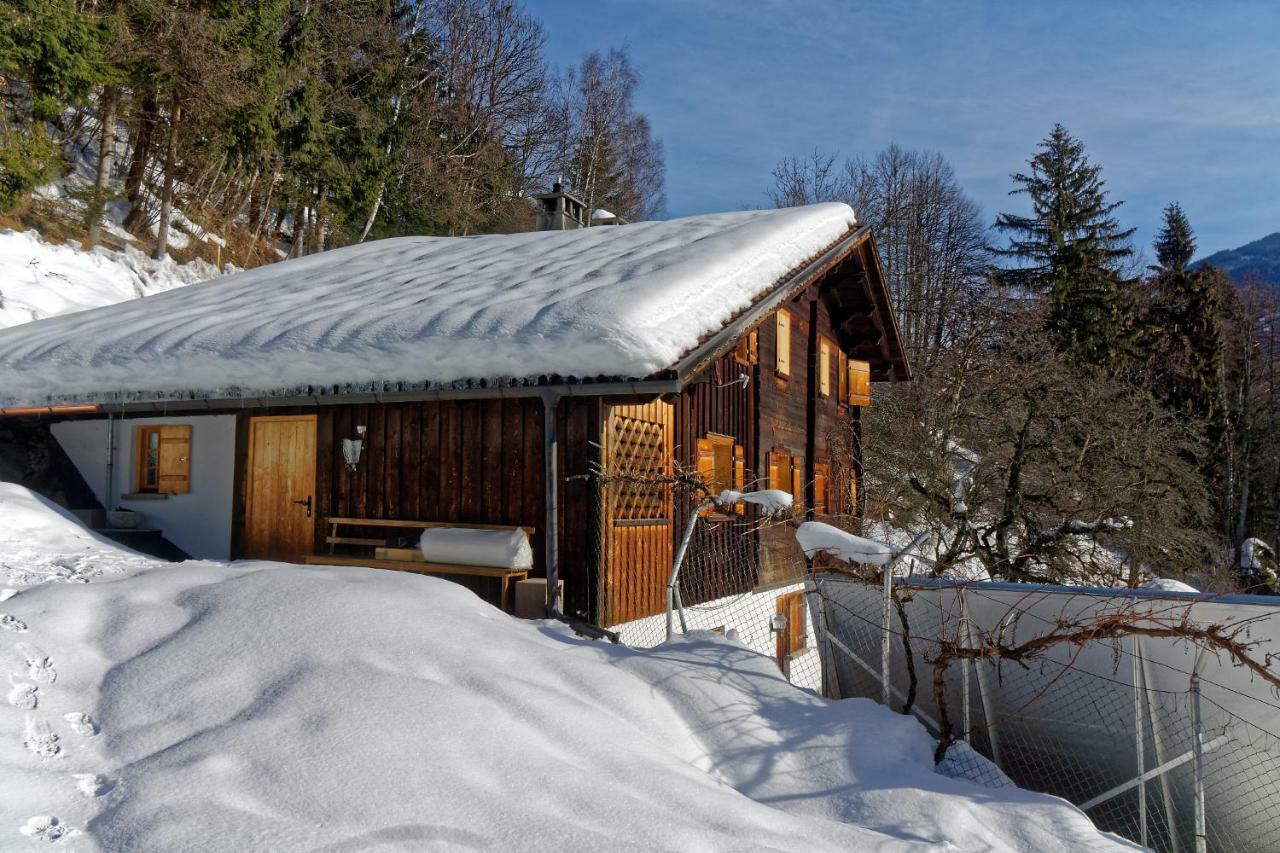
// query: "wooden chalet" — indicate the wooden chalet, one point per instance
point(338, 436)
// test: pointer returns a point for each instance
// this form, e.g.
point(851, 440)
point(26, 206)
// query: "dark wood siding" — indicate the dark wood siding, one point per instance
point(477, 461)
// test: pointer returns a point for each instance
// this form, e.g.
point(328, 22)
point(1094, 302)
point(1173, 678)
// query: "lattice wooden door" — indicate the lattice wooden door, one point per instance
point(637, 512)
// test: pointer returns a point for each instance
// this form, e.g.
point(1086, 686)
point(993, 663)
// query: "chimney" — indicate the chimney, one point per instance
point(560, 211)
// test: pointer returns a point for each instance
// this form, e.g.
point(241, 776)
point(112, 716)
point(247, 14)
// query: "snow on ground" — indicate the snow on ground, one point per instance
point(258, 706)
point(584, 303)
point(39, 279)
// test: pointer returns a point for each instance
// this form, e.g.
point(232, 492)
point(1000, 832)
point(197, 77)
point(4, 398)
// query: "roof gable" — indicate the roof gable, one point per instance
point(429, 312)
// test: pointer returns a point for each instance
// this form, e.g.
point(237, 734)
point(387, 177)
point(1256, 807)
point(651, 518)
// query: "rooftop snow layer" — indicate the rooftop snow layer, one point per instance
point(617, 302)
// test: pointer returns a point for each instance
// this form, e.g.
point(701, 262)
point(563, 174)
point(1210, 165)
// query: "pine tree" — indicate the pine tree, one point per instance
point(1182, 338)
point(1072, 250)
point(1175, 244)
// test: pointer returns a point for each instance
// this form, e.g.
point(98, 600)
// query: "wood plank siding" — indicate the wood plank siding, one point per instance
point(474, 461)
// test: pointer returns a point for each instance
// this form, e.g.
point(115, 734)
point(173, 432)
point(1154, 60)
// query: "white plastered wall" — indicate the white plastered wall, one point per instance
point(198, 522)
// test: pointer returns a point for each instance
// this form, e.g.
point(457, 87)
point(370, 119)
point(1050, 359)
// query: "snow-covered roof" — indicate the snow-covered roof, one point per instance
point(428, 311)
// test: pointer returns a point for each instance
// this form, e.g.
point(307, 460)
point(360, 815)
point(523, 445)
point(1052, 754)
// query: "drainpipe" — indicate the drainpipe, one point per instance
point(111, 462)
point(551, 500)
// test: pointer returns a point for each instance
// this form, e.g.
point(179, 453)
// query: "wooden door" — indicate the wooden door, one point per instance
point(638, 515)
point(280, 488)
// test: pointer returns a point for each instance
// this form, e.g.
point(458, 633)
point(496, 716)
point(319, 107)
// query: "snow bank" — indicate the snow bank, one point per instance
point(260, 706)
point(1167, 585)
point(618, 302)
point(814, 536)
point(39, 279)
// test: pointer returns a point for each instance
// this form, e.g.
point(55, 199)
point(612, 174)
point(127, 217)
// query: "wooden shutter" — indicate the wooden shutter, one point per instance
point(748, 349)
point(175, 459)
point(779, 471)
point(821, 480)
point(739, 475)
point(783, 346)
point(794, 640)
point(795, 622)
point(706, 459)
point(859, 383)
point(853, 493)
point(843, 373)
point(824, 367)
point(797, 481)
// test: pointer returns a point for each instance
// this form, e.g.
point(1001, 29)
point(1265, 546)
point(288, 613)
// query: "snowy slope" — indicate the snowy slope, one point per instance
point(258, 706)
point(624, 301)
point(39, 279)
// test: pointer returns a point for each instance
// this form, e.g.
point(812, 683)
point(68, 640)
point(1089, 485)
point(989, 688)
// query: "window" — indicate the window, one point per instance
point(859, 383)
point(821, 485)
point(783, 344)
point(722, 464)
point(162, 459)
point(793, 640)
point(786, 473)
point(824, 367)
point(747, 352)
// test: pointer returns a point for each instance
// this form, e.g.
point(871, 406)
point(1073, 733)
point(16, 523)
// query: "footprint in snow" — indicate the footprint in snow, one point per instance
point(23, 696)
point(93, 784)
point(39, 665)
point(12, 623)
point(46, 828)
point(82, 724)
point(40, 738)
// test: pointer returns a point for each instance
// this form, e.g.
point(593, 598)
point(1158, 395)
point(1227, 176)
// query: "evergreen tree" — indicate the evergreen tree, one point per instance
point(51, 58)
point(1072, 249)
point(1182, 338)
point(1175, 244)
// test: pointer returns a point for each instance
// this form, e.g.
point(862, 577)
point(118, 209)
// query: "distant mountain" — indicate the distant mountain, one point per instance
point(1260, 259)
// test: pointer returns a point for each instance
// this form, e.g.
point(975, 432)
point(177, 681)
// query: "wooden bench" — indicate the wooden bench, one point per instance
point(415, 562)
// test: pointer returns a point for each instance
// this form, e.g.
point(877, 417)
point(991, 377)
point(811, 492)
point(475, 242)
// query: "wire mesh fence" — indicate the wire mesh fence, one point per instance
point(741, 573)
point(1153, 740)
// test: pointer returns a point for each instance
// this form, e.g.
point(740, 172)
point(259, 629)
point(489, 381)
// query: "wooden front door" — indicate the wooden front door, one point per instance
point(638, 516)
point(280, 488)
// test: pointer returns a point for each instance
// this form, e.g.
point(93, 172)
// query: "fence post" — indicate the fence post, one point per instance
point(1197, 748)
point(984, 693)
point(818, 612)
point(673, 591)
point(964, 666)
point(884, 637)
point(1139, 740)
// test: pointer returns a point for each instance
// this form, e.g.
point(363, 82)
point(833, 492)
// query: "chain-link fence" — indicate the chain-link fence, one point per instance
point(741, 572)
point(1153, 738)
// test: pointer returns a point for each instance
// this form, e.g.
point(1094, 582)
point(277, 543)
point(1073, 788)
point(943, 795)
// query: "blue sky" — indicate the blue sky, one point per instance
point(1177, 101)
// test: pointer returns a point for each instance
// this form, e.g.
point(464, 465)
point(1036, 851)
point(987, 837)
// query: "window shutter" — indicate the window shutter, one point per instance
point(795, 622)
point(853, 493)
point(843, 373)
point(753, 345)
point(783, 346)
point(739, 475)
point(779, 471)
point(824, 368)
point(797, 481)
point(175, 459)
point(747, 351)
point(859, 383)
point(706, 461)
point(821, 478)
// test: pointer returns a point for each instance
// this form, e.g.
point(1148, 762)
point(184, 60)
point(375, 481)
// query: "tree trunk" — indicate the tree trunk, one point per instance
point(106, 153)
point(138, 160)
point(166, 199)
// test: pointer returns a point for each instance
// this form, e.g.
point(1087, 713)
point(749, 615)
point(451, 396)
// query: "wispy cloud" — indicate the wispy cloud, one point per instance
point(1177, 100)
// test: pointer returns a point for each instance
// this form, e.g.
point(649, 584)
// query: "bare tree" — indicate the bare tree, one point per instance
point(930, 234)
point(608, 155)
